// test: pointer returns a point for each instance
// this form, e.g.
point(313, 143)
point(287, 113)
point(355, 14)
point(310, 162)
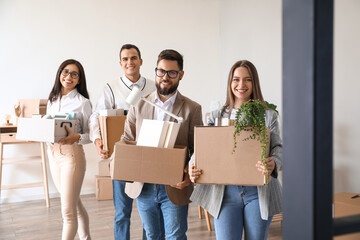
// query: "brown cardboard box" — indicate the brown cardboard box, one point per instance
point(111, 128)
point(104, 168)
point(213, 154)
point(103, 188)
point(148, 164)
point(28, 107)
point(347, 204)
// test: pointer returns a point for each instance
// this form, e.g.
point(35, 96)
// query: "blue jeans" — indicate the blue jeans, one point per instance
point(159, 214)
point(240, 210)
point(123, 207)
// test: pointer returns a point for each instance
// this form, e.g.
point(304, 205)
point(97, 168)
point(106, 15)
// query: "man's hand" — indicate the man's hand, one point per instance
point(71, 137)
point(184, 183)
point(99, 147)
point(194, 173)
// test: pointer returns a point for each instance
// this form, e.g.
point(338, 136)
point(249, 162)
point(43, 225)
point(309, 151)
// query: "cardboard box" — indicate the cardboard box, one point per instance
point(347, 204)
point(148, 164)
point(104, 167)
point(111, 129)
point(213, 154)
point(103, 188)
point(43, 130)
point(28, 107)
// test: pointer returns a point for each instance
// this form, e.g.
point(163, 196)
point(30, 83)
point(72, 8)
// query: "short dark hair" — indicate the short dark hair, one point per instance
point(129, 46)
point(81, 86)
point(170, 54)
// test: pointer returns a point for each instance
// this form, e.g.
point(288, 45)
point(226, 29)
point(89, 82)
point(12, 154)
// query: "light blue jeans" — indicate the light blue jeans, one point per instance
point(240, 210)
point(123, 207)
point(158, 214)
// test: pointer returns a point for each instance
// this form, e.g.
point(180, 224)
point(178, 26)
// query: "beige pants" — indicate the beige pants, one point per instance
point(67, 166)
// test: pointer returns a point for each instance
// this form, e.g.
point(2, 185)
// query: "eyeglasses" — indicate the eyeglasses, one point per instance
point(170, 73)
point(74, 75)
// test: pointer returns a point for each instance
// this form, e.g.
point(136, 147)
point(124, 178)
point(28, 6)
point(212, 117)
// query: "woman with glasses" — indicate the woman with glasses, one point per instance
point(238, 209)
point(67, 159)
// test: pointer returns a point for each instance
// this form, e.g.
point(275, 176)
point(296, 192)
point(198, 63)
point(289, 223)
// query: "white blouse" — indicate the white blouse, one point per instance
point(81, 106)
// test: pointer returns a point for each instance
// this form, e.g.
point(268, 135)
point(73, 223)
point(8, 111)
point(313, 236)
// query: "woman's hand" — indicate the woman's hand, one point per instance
point(194, 173)
point(184, 183)
point(270, 166)
point(71, 137)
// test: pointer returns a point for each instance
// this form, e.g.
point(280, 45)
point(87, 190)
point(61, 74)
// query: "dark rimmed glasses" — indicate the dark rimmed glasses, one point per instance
point(74, 75)
point(170, 73)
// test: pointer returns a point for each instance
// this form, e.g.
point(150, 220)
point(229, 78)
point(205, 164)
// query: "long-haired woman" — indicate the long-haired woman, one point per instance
point(67, 159)
point(243, 208)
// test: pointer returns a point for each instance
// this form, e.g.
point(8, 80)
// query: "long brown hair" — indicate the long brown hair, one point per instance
point(81, 86)
point(256, 94)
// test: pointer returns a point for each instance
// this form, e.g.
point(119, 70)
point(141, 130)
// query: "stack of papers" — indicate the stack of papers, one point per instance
point(156, 133)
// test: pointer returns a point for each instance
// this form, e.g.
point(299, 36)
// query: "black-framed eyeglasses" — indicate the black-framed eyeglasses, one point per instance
point(74, 75)
point(170, 73)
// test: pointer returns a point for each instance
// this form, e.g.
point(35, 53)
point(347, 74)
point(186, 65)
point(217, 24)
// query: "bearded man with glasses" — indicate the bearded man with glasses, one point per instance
point(164, 207)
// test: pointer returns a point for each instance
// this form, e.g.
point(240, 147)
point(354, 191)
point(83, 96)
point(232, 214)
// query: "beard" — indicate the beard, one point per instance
point(166, 91)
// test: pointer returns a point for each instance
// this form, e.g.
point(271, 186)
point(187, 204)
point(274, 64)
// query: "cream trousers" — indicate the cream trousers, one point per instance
point(67, 166)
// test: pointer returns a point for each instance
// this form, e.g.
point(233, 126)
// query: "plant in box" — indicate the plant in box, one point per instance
point(251, 117)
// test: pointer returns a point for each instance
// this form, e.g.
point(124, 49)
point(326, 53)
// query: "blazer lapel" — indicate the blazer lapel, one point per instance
point(149, 109)
point(178, 104)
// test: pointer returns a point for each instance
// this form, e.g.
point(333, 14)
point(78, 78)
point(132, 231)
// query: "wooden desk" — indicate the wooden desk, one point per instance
point(7, 137)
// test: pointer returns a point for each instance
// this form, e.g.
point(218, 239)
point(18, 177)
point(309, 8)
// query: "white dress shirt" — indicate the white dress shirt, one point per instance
point(140, 83)
point(168, 105)
point(81, 106)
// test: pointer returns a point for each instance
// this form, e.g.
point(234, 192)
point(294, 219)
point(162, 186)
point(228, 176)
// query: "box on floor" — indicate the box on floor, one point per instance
point(347, 204)
point(103, 188)
point(104, 168)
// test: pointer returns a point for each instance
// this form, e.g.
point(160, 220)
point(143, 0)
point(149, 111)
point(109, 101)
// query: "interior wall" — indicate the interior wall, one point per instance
point(346, 96)
point(37, 36)
point(252, 30)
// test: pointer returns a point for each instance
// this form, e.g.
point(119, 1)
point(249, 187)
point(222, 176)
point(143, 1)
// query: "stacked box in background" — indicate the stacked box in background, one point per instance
point(28, 107)
point(111, 128)
point(346, 204)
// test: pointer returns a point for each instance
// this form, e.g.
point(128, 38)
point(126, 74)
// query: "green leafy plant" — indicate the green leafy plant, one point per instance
point(251, 117)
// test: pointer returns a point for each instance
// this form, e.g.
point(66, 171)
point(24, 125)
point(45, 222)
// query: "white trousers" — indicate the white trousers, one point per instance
point(67, 166)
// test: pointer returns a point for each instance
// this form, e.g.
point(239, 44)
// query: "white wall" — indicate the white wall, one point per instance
point(36, 36)
point(346, 96)
point(252, 30)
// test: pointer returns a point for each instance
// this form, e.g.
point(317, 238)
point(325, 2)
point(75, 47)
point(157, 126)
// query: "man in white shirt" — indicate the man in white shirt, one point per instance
point(113, 97)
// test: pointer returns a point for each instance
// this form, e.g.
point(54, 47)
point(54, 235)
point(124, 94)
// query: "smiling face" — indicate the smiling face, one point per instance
point(69, 78)
point(165, 85)
point(130, 62)
point(241, 86)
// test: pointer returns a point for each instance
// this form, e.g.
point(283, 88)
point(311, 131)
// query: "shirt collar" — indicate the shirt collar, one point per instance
point(72, 93)
point(171, 99)
point(140, 83)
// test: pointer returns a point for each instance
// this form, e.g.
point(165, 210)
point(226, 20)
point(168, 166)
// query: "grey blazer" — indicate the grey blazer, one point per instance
point(210, 196)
